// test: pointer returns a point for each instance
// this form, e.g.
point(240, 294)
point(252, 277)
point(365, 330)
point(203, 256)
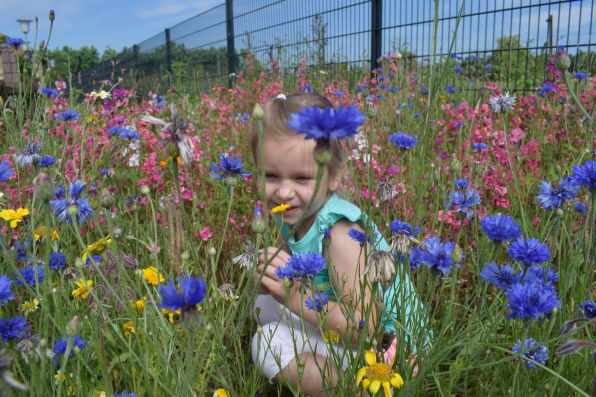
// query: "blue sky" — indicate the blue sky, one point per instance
point(101, 23)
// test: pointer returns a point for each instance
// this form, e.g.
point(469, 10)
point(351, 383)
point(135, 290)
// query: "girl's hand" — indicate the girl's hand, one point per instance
point(270, 283)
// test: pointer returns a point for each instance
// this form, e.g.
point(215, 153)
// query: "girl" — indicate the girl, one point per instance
point(293, 337)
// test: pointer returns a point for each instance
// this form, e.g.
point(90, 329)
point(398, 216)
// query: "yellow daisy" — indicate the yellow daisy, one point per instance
point(376, 375)
point(330, 336)
point(150, 274)
point(42, 232)
point(30, 307)
point(281, 208)
point(14, 216)
point(97, 248)
point(83, 290)
point(172, 316)
point(139, 304)
point(128, 327)
point(221, 393)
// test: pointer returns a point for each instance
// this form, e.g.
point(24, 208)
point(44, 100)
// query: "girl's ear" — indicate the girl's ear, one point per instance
point(335, 177)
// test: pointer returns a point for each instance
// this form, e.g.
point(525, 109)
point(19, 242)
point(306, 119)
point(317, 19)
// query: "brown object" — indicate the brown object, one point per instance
point(9, 74)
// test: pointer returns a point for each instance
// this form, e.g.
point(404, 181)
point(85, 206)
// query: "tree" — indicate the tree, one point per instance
point(68, 60)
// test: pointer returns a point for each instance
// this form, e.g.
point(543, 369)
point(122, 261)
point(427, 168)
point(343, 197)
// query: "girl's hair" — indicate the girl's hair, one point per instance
point(278, 111)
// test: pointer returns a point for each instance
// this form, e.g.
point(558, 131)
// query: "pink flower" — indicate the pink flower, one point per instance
point(205, 234)
point(60, 85)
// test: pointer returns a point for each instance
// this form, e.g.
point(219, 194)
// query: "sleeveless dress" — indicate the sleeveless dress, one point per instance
point(400, 299)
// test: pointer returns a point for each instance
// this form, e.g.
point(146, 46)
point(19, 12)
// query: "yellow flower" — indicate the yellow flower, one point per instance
point(128, 327)
point(100, 394)
point(376, 375)
point(30, 307)
point(330, 336)
point(281, 208)
point(140, 304)
point(97, 248)
point(83, 290)
point(150, 275)
point(42, 232)
point(172, 316)
point(221, 393)
point(59, 376)
point(14, 216)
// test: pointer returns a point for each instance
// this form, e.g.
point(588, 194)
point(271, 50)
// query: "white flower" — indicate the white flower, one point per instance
point(502, 103)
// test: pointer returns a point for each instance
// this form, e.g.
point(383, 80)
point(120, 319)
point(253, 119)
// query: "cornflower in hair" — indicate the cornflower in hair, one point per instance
point(326, 124)
point(552, 197)
point(74, 205)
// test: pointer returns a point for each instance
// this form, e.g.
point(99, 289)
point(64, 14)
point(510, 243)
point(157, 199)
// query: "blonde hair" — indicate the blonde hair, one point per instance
point(278, 111)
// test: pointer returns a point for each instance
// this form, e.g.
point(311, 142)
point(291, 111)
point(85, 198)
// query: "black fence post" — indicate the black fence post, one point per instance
point(168, 51)
point(230, 40)
point(376, 25)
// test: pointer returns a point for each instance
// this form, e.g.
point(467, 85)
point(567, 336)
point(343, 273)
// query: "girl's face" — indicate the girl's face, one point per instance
point(290, 176)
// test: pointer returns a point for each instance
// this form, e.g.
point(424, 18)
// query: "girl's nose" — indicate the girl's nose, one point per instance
point(285, 191)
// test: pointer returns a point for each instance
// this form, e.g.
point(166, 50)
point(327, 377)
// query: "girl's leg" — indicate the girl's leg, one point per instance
point(315, 367)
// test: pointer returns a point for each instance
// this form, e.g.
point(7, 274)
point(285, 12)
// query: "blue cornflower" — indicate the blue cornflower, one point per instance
point(30, 155)
point(123, 133)
point(382, 86)
point(461, 183)
point(399, 227)
point(302, 266)
point(5, 292)
point(504, 277)
point(403, 141)
point(479, 146)
point(585, 175)
point(488, 67)
point(532, 350)
point(78, 343)
point(588, 308)
point(49, 92)
point(94, 258)
point(320, 300)
point(59, 192)
point(580, 75)
point(61, 206)
point(57, 260)
point(552, 197)
point(416, 115)
point(307, 88)
point(339, 93)
point(580, 207)
point(358, 89)
point(500, 228)
point(458, 69)
point(537, 274)
point(531, 300)
point(68, 115)
point(529, 251)
point(450, 89)
point(464, 204)
point(228, 167)
point(359, 236)
point(46, 161)
point(381, 77)
point(326, 124)
point(5, 171)
point(192, 292)
point(436, 256)
point(454, 56)
point(546, 88)
point(160, 101)
point(14, 42)
point(125, 394)
point(459, 125)
point(393, 89)
point(13, 327)
point(28, 275)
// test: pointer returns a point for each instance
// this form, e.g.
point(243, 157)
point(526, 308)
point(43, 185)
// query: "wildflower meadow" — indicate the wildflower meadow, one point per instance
point(130, 222)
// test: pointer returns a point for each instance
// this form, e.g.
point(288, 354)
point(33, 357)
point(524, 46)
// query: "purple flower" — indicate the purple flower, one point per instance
point(479, 146)
point(585, 175)
point(580, 75)
point(531, 300)
point(125, 394)
point(403, 141)
point(450, 89)
point(5, 171)
point(14, 42)
point(588, 308)
point(500, 227)
point(68, 115)
point(57, 260)
point(326, 124)
point(529, 251)
point(320, 300)
point(228, 167)
point(5, 292)
point(504, 277)
point(46, 161)
point(552, 197)
point(49, 92)
point(488, 67)
point(62, 205)
point(192, 292)
point(399, 227)
point(457, 69)
point(302, 266)
point(461, 183)
point(436, 256)
point(531, 350)
point(78, 343)
point(30, 155)
point(28, 276)
point(13, 327)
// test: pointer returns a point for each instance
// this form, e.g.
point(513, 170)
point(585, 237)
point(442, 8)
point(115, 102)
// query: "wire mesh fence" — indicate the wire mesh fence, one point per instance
point(508, 39)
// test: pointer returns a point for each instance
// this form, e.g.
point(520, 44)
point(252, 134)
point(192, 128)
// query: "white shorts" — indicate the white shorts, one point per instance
point(273, 348)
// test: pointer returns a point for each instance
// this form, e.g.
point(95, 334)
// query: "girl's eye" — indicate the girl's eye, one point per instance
point(270, 176)
point(304, 178)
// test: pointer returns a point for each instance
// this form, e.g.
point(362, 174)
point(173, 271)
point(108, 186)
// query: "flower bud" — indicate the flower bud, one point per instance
point(231, 180)
point(73, 327)
point(185, 256)
point(287, 283)
point(212, 251)
point(322, 156)
point(258, 222)
point(52, 16)
point(145, 190)
point(73, 210)
point(563, 62)
point(257, 112)
point(456, 254)
point(371, 112)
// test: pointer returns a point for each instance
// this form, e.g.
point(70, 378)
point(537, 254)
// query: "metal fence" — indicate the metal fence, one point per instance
point(514, 37)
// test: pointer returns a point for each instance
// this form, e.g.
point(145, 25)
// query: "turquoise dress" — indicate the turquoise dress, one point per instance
point(400, 299)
